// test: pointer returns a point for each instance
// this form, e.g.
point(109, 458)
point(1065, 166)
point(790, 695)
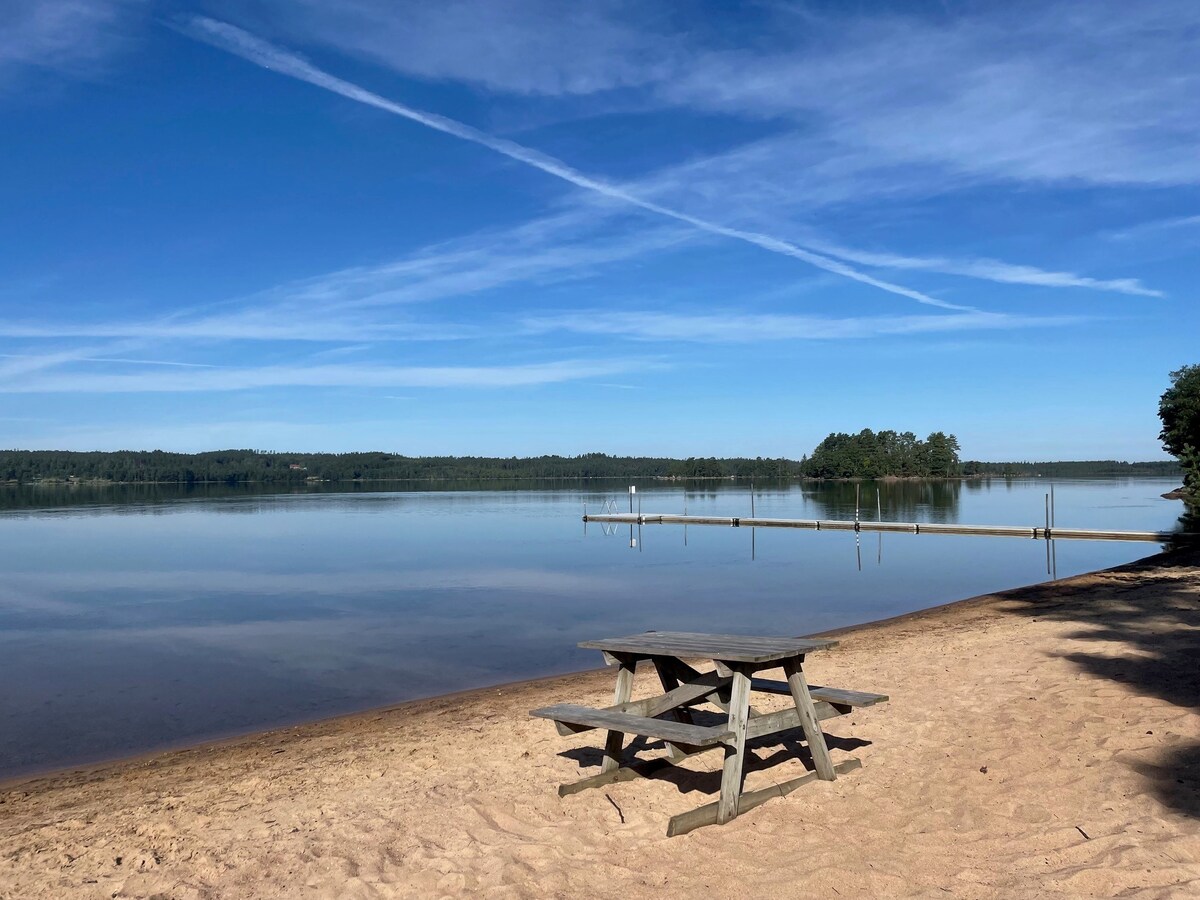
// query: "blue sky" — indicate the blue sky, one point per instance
point(661, 228)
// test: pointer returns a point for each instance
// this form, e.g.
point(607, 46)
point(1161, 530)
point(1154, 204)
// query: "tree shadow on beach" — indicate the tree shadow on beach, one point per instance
point(1152, 607)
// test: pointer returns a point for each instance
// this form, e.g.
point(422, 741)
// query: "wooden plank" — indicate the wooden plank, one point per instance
point(729, 647)
point(626, 723)
point(681, 713)
point(612, 743)
point(707, 815)
point(732, 772)
point(829, 695)
point(786, 719)
point(718, 698)
point(677, 696)
point(808, 719)
point(640, 769)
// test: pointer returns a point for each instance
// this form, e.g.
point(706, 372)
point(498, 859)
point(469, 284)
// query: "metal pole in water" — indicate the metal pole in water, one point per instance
point(879, 518)
point(1047, 533)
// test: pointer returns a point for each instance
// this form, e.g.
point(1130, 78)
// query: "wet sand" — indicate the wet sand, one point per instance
point(1038, 741)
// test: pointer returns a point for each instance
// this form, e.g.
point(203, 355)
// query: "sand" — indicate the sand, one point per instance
point(1043, 741)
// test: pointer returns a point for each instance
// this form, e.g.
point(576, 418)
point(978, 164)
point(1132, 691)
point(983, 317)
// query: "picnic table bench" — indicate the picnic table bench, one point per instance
point(667, 717)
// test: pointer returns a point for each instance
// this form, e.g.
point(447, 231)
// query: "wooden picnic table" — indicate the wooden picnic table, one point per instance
point(667, 717)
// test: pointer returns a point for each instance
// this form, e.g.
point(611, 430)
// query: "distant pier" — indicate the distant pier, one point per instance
point(1037, 532)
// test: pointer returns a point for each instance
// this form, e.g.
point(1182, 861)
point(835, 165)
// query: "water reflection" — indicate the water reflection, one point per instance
point(897, 501)
point(138, 617)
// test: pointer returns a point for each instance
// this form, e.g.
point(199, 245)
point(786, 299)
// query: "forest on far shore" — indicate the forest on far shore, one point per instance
point(864, 455)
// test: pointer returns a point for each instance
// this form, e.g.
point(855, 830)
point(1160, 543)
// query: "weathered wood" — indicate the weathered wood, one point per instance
point(794, 670)
point(708, 814)
point(615, 738)
point(680, 713)
point(728, 647)
point(735, 752)
point(786, 719)
point(829, 695)
point(719, 697)
point(627, 723)
point(640, 769)
point(693, 691)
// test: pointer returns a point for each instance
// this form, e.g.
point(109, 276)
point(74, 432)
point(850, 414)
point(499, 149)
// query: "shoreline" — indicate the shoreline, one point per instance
point(1043, 740)
point(100, 766)
point(89, 768)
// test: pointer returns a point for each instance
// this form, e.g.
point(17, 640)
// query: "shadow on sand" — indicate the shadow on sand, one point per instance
point(764, 753)
point(1153, 608)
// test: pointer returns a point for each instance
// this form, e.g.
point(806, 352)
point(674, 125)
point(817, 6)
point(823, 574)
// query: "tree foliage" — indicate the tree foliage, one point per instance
point(1179, 409)
point(263, 467)
point(870, 454)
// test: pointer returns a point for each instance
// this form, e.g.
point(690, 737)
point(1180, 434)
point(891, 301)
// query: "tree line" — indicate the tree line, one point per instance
point(268, 467)
point(867, 454)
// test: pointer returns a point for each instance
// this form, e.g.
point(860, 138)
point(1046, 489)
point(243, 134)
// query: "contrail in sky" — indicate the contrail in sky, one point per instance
point(242, 43)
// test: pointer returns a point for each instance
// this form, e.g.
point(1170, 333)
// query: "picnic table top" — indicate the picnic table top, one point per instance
point(732, 647)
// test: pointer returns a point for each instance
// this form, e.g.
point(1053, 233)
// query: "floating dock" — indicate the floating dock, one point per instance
point(1036, 532)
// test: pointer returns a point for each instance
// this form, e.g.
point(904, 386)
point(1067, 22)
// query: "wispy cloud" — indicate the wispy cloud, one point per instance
point(72, 36)
point(525, 47)
point(1155, 227)
point(59, 360)
point(989, 270)
point(242, 43)
point(359, 376)
point(365, 303)
point(735, 327)
point(1102, 92)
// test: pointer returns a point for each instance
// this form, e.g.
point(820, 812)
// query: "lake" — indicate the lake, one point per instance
point(136, 618)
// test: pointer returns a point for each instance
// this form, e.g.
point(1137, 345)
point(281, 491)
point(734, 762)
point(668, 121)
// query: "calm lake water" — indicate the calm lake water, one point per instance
point(137, 618)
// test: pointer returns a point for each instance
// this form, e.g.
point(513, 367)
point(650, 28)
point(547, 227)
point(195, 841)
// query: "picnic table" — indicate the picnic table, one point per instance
point(667, 717)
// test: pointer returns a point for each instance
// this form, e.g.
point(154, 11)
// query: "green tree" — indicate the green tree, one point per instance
point(1179, 409)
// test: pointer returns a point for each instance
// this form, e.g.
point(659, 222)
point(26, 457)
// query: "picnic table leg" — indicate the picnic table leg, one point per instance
point(794, 669)
point(735, 752)
point(669, 682)
point(612, 744)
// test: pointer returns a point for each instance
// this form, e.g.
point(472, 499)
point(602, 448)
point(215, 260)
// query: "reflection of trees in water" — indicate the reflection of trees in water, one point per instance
point(902, 501)
point(1189, 524)
point(110, 496)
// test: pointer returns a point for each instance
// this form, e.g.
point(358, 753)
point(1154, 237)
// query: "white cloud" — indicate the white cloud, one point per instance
point(72, 36)
point(360, 376)
point(735, 327)
point(1155, 227)
point(242, 43)
point(538, 47)
point(986, 270)
point(1103, 92)
point(361, 303)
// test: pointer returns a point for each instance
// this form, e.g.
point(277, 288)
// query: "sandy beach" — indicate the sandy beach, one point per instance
point(1040, 741)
